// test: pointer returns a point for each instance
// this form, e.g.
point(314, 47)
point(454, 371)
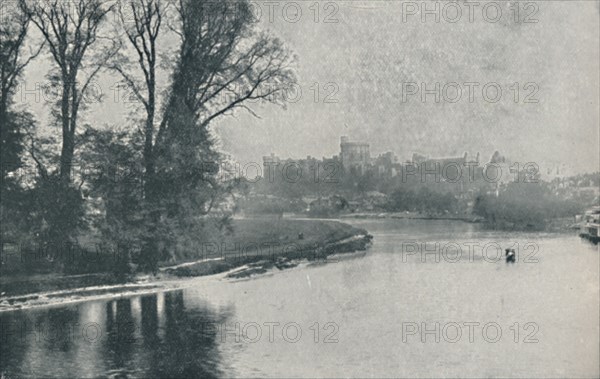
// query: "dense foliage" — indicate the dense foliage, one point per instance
point(524, 205)
point(141, 191)
point(423, 200)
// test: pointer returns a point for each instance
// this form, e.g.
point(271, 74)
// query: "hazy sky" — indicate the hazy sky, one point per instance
point(376, 47)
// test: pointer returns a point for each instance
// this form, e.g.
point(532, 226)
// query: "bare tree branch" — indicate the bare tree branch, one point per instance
point(69, 34)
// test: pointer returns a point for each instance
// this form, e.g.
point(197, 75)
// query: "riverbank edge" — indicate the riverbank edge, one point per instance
point(562, 225)
point(353, 240)
point(404, 216)
point(242, 267)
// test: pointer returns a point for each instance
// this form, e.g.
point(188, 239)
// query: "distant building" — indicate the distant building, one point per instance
point(420, 159)
point(453, 169)
point(311, 168)
point(554, 171)
point(355, 156)
point(386, 165)
point(461, 175)
point(500, 171)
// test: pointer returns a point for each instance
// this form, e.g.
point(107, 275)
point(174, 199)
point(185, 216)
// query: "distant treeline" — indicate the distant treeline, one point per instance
point(423, 200)
point(524, 206)
point(525, 203)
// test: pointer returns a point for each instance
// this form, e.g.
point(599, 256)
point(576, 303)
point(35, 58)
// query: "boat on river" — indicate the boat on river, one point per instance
point(590, 225)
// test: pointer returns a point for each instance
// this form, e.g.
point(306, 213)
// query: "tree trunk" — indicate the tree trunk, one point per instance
point(149, 169)
point(68, 145)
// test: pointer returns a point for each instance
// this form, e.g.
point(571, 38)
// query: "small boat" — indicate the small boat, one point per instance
point(511, 256)
point(591, 225)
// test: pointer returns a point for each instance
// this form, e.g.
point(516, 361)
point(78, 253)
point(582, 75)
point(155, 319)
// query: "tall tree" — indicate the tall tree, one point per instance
point(142, 21)
point(70, 29)
point(13, 32)
point(223, 65)
point(15, 123)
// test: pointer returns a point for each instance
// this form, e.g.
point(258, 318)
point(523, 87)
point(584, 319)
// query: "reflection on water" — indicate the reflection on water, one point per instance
point(149, 335)
point(343, 319)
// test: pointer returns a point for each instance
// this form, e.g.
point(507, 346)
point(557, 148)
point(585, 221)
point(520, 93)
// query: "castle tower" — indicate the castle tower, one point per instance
point(354, 154)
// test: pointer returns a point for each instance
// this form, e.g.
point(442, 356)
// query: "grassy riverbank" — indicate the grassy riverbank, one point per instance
point(260, 244)
point(253, 243)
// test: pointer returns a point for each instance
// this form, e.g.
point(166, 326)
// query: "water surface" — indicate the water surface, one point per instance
point(395, 312)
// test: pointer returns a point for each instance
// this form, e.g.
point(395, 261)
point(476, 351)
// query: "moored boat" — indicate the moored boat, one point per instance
point(590, 226)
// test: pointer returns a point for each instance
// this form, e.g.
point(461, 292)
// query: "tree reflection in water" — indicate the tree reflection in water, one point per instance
point(152, 335)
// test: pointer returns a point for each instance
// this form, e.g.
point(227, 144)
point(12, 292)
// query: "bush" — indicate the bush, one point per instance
point(524, 206)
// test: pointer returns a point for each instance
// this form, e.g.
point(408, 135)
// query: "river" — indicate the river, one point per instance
point(429, 299)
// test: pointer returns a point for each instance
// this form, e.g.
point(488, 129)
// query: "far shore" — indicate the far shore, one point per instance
point(557, 225)
point(361, 215)
point(411, 216)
